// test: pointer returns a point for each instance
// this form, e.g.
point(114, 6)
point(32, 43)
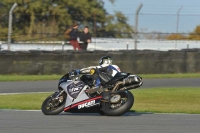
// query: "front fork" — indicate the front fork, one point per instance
point(58, 96)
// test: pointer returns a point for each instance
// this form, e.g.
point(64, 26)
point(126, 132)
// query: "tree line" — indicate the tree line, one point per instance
point(195, 35)
point(48, 19)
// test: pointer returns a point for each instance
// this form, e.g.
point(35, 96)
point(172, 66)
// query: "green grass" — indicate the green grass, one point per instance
point(167, 100)
point(57, 77)
point(31, 101)
point(156, 100)
point(176, 75)
point(29, 77)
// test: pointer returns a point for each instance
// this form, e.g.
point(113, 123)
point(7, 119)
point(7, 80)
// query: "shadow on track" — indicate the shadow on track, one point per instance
point(132, 113)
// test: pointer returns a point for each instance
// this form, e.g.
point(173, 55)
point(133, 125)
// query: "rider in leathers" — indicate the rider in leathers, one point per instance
point(105, 65)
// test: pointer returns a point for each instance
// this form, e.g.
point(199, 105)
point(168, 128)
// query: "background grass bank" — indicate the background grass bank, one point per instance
point(157, 100)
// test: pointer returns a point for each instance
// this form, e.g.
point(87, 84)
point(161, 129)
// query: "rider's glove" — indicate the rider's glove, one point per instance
point(75, 72)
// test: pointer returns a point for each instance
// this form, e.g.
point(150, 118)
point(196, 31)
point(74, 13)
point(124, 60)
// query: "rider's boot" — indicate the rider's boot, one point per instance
point(105, 95)
point(98, 89)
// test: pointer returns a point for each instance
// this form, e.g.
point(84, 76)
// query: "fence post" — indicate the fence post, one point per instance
point(63, 44)
point(95, 30)
point(177, 23)
point(0, 45)
point(10, 24)
point(136, 24)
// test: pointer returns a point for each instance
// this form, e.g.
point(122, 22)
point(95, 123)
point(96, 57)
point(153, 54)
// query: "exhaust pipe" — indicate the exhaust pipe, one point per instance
point(130, 83)
point(132, 86)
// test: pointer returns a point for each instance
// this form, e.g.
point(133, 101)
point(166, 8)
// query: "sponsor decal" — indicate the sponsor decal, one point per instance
point(83, 104)
point(87, 104)
point(75, 88)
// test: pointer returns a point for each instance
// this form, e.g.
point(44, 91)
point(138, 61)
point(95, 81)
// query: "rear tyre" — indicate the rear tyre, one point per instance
point(120, 108)
point(101, 112)
point(53, 105)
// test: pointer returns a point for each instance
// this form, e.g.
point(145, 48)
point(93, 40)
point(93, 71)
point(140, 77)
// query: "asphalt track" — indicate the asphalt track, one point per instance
point(49, 86)
point(35, 122)
point(13, 121)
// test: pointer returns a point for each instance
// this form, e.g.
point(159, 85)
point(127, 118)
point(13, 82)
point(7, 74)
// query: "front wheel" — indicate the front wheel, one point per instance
point(121, 106)
point(54, 104)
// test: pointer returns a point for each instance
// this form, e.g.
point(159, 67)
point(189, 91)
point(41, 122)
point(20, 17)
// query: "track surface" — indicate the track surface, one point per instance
point(12, 121)
point(47, 86)
point(36, 122)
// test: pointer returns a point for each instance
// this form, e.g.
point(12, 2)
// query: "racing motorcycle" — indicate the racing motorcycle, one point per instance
point(72, 94)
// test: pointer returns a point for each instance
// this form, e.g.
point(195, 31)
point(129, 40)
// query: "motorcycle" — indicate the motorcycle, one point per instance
point(72, 94)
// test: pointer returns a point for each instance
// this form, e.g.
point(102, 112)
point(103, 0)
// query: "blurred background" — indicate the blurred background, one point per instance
point(114, 24)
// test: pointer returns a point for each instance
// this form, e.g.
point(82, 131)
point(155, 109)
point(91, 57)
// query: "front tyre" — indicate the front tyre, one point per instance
point(121, 107)
point(54, 104)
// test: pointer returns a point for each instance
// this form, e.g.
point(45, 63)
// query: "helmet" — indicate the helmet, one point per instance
point(105, 60)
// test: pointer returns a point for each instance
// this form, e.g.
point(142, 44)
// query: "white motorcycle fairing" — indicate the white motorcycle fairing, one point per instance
point(77, 100)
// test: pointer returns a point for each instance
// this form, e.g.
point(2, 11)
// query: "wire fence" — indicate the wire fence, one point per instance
point(151, 26)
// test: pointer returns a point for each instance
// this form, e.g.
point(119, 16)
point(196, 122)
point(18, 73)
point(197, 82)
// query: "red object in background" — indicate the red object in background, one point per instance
point(75, 44)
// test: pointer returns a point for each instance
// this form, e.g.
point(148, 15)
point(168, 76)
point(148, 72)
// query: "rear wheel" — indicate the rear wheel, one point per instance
point(101, 112)
point(120, 104)
point(54, 104)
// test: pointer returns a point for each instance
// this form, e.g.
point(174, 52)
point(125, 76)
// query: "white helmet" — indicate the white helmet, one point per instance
point(105, 60)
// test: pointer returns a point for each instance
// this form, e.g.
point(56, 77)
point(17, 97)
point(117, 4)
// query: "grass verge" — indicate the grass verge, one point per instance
point(57, 77)
point(157, 100)
point(30, 101)
point(167, 100)
point(29, 77)
point(176, 75)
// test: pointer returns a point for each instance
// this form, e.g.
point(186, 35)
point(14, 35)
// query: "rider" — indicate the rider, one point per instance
point(105, 65)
